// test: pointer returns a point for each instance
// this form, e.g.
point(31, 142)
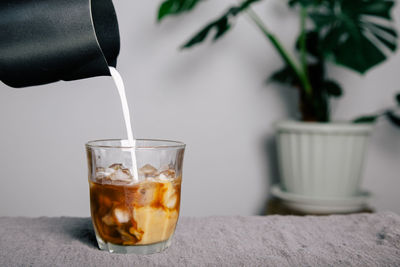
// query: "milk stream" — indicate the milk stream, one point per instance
point(125, 109)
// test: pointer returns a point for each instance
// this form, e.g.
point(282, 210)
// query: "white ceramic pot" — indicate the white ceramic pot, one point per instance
point(322, 159)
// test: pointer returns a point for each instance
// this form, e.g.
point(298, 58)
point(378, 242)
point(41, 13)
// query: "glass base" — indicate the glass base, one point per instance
point(139, 249)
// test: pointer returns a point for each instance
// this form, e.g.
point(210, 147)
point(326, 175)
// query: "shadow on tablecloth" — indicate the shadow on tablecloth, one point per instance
point(82, 230)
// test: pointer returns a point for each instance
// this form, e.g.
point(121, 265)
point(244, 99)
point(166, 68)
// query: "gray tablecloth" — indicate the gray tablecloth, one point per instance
point(358, 240)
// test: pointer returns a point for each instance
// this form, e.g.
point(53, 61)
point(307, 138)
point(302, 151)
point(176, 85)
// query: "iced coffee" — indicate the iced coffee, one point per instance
point(141, 213)
point(134, 193)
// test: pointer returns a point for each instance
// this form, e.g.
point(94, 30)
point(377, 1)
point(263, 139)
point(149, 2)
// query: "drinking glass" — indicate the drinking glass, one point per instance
point(134, 193)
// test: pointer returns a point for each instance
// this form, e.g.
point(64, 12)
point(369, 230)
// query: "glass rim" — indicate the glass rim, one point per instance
point(168, 144)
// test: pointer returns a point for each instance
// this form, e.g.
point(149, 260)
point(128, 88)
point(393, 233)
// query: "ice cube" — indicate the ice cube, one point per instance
point(171, 202)
point(103, 172)
point(100, 173)
point(116, 166)
point(109, 171)
point(166, 167)
point(123, 175)
point(121, 215)
point(167, 174)
point(148, 171)
point(108, 220)
point(169, 195)
point(126, 237)
point(146, 193)
point(100, 169)
point(137, 233)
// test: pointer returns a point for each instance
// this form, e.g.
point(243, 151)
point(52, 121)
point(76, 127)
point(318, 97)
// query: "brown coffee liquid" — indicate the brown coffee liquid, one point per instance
point(139, 214)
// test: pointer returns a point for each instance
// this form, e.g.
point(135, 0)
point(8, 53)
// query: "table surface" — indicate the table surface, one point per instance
point(337, 240)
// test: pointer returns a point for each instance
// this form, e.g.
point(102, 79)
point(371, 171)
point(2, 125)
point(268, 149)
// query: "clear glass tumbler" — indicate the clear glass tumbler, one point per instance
point(134, 193)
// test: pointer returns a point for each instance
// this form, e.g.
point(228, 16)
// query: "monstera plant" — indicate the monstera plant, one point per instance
point(356, 34)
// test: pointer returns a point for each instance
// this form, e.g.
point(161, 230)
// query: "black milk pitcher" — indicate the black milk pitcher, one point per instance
point(43, 41)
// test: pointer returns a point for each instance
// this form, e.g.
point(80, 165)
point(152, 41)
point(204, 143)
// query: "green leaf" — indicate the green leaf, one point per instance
point(322, 20)
point(174, 7)
point(200, 36)
point(385, 35)
point(304, 3)
point(332, 88)
point(221, 25)
point(165, 9)
point(389, 44)
point(365, 57)
point(244, 5)
point(377, 8)
point(393, 118)
point(346, 28)
point(385, 29)
point(398, 99)
point(366, 119)
point(286, 75)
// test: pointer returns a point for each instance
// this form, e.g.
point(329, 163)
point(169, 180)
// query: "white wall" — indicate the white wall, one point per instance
point(212, 97)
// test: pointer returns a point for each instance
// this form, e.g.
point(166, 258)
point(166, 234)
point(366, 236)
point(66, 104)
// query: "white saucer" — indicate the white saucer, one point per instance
point(321, 205)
